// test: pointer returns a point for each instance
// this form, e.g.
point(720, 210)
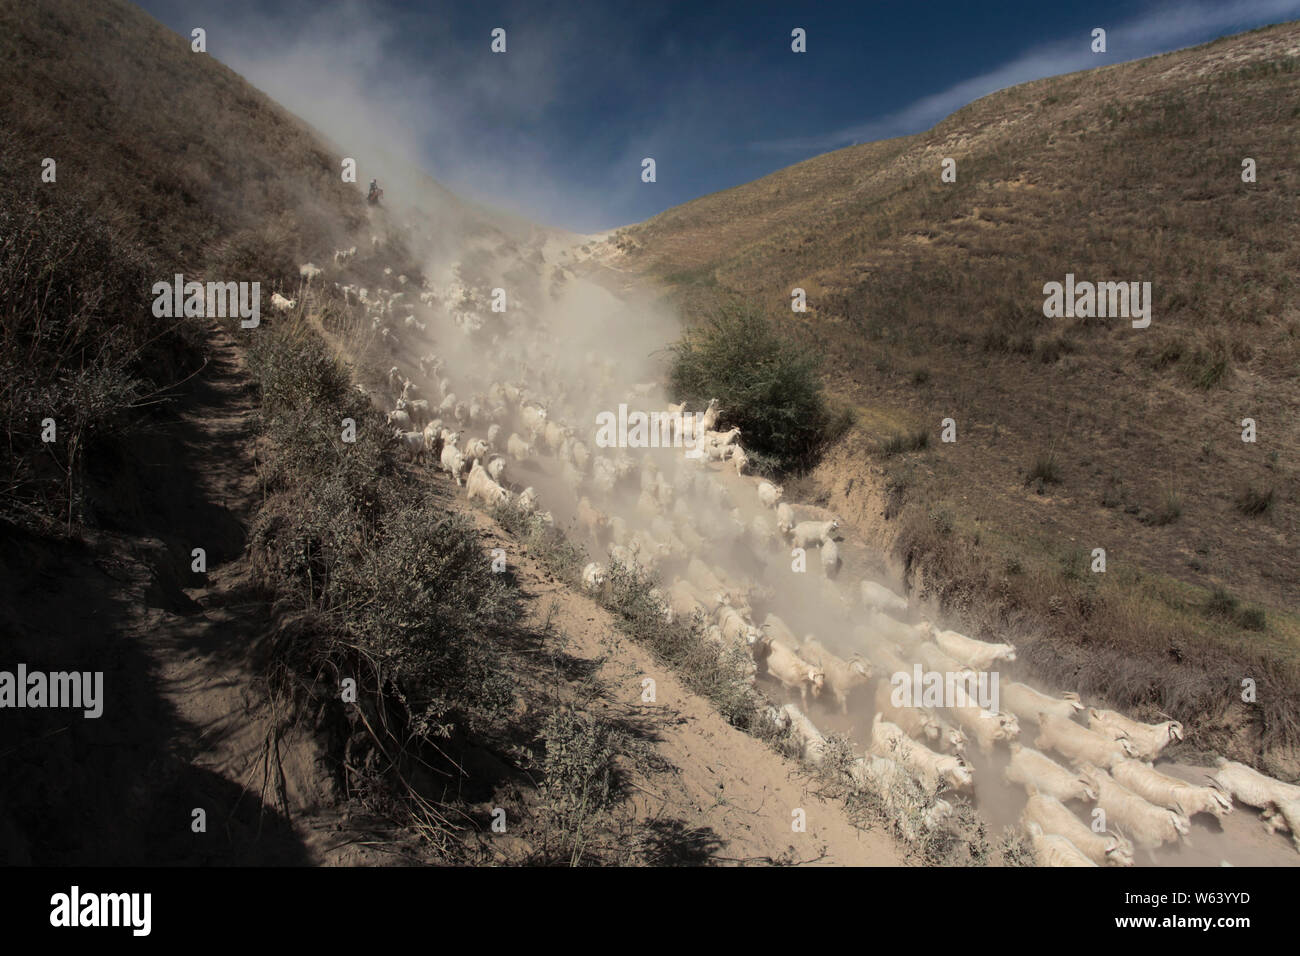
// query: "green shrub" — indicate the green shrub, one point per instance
point(408, 585)
point(1221, 603)
point(582, 778)
point(766, 383)
point(1252, 619)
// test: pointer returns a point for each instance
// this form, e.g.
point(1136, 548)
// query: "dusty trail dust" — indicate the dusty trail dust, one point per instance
point(195, 728)
point(730, 793)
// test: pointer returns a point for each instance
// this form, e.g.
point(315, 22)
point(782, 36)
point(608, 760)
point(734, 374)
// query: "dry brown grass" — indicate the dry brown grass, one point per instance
point(1072, 433)
point(184, 156)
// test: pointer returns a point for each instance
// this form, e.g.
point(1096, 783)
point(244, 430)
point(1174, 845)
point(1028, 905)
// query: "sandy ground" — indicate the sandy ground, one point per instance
point(735, 793)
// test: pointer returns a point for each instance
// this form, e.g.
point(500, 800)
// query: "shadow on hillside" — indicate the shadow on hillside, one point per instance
point(121, 789)
point(673, 843)
point(112, 790)
point(179, 479)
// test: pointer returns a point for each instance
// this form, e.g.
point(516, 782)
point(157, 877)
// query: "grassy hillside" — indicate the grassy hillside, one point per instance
point(1072, 434)
point(143, 129)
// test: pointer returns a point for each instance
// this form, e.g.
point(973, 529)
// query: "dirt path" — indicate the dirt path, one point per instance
point(225, 734)
point(185, 726)
point(270, 790)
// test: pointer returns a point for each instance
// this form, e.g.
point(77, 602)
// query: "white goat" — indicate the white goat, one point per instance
point(453, 462)
point(986, 726)
point(933, 769)
point(1170, 792)
point(1080, 744)
point(769, 494)
point(841, 676)
point(978, 655)
point(1027, 703)
point(881, 598)
point(1147, 739)
point(517, 448)
point(786, 666)
point(808, 533)
point(1054, 850)
point(1149, 825)
point(1104, 849)
point(830, 555)
point(481, 486)
point(593, 576)
point(1037, 772)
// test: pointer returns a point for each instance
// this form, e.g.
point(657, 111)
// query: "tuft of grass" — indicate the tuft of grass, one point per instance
point(1254, 502)
point(1208, 364)
point(1167, 353)
point(935, 831)
point(1045, 469)
point(548, 544)
point(722, 678)
point(1221, 603)
point(1224, 605)
point(1252, 619)
point(1170, 510)
point(1050, 350)
point(900, 442)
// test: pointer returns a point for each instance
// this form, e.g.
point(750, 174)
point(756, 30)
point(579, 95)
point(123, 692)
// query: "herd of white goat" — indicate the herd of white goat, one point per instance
point(512, 419)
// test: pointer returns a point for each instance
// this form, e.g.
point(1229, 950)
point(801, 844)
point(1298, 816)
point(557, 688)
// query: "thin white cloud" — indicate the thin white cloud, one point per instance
point(1159, 31)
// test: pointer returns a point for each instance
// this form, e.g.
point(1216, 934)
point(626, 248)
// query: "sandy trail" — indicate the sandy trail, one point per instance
point(732, 793)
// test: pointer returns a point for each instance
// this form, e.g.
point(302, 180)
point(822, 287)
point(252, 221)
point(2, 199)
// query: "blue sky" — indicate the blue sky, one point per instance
point(555, 128)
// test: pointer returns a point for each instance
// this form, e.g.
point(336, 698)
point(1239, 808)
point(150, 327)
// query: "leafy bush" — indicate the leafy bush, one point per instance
point(78, 344)
point(408, 584)
point(424, 599)
point(582, 777)
point(765, 383)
